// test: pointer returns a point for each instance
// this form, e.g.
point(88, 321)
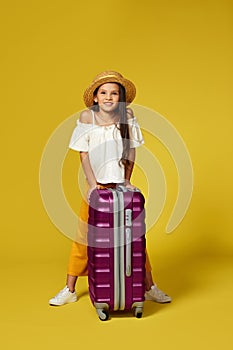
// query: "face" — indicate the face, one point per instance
point(108, 97)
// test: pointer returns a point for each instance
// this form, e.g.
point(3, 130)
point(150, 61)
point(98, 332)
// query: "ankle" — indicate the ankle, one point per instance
point(71, 289)
point(148, 287)
point(71, 282)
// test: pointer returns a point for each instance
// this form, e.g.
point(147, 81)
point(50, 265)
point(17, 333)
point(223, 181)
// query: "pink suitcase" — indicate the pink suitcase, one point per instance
point(116, 251)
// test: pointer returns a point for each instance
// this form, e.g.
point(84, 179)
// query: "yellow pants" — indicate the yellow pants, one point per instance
point(77, 265)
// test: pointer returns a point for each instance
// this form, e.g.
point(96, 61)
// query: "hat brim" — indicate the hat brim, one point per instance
point(130, 89)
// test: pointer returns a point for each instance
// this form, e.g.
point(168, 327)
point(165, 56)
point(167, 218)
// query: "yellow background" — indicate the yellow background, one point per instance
point(179, 55)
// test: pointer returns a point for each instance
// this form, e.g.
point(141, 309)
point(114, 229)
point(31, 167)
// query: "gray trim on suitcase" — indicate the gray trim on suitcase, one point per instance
point(128, 217)
point(128, 239)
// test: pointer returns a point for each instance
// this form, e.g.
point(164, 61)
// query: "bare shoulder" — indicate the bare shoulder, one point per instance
point(130, 113)
point(86, 116)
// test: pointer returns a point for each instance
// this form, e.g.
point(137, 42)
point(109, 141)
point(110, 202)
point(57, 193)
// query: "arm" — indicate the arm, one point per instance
point(129, 168)
point(84, 157)
point(131, 157)
point(86, 117)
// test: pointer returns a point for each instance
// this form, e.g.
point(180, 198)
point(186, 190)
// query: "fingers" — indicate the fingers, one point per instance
point(91, 189)
point(130, 187)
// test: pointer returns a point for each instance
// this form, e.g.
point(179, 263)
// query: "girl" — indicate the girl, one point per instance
point(106, 136)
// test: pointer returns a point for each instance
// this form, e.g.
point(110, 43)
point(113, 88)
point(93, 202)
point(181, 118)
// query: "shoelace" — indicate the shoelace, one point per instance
point(159, 292)
point(61, 293)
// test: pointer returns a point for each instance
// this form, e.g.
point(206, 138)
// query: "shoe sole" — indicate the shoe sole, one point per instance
point(68, 302)
point(158, 301)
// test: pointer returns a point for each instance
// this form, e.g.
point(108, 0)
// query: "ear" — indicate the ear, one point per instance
point(95, 99)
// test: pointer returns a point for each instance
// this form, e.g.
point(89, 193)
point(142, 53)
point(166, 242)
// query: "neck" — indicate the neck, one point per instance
point(106, 117)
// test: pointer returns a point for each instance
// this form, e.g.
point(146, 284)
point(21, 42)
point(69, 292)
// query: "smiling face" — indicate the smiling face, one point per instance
point(107, 97)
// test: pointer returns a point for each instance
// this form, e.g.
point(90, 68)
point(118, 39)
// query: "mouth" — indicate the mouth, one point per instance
point(108, 104)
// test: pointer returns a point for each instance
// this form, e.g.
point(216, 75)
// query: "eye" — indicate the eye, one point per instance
point(102, 92)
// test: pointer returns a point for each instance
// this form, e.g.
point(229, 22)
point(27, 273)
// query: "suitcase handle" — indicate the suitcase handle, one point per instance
point(125, 189)
point(128, 239)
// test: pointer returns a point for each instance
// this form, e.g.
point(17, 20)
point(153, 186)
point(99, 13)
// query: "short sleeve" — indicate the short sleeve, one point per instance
point(136, 138)
point(80, 137)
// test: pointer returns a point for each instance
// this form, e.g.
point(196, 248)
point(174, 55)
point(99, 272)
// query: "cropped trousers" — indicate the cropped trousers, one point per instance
point(77, 264)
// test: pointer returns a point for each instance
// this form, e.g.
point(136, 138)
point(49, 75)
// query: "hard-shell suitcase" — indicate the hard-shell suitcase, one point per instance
point(116, 251)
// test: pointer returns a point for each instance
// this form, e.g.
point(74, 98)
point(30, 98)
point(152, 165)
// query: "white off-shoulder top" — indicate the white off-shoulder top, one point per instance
point(104, 147)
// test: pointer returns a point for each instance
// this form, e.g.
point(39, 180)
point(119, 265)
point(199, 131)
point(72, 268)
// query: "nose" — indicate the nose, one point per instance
point(108, 96)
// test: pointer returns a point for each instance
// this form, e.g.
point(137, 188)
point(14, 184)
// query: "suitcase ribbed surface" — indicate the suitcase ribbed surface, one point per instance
point(101, 248)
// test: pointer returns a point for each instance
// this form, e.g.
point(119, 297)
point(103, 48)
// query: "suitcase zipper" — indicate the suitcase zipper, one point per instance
point(121, 250)
point(116, 250)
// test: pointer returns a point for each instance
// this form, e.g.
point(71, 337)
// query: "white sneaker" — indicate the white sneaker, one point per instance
point(155, 294)
point(63, 297)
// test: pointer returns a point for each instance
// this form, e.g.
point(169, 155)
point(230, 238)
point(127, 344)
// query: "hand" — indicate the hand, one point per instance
point(92, 188)
point(129, 186)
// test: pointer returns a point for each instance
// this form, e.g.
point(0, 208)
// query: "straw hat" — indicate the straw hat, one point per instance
point(109, 77)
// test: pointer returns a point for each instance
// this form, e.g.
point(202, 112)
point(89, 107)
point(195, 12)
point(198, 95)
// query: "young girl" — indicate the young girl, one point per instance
point(106, 136)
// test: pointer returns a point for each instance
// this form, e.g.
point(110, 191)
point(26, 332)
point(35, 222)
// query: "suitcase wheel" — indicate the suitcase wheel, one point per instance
point(103, 314)
point(138, 312)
